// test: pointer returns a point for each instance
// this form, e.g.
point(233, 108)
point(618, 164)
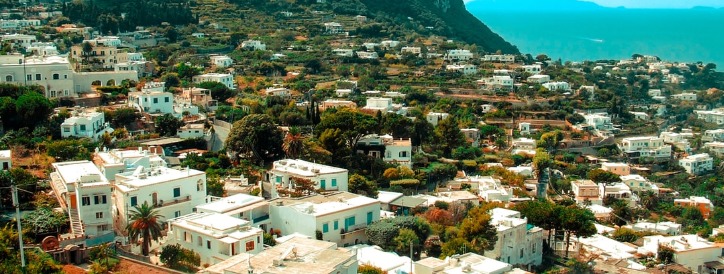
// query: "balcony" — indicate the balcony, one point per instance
point(177, 200)
point(261, 219)
point(353, 231)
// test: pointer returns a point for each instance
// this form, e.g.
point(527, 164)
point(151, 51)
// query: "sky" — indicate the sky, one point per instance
point(654, 4)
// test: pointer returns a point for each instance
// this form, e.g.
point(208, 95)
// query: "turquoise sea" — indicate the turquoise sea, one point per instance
point(686, 35)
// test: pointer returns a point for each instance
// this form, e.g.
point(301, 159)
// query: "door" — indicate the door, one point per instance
point(323, 184)
point(154, 198)
point(73, 202)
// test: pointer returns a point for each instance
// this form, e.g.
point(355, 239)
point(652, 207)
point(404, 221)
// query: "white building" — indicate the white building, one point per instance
point(154, 102)
point(387, 261)
point(54, 73)
point(489, 188)
point(704, 205)
point(85, 125)
point(397, 151)
point(679, 140)
point(472, 136)
point(716, 148)
point(539, 79)
point(502, 58)
point(617, 190)
point(85, 194)
point(599, 244)
point(518, 243)
point(249, 208)
point(343, 52)
point(697, 164)
point(411, 50)
point(118, 161)
point(378, 104)
point(466, 69)
point(16, 24)
point(43, 49)
point(524, 145)
point(686, 96)
point(458, 55)
point(691, 251)
point(19, 41)
point(599, 121)
point(367, 55)
point(253, 45)
point(559, 86)
point(330, 103)
point(469, 263)
point(6, 159)
point(324, 177)
point(532, 69)
point(224, 78)
point(497, 82)
point(294, 255)
point(620, 169)
point(713, 135)
point(638, 183)
point(174, 192)
point(646, 146)
point(333, 28)
point(190, 131)
point(215, 237)
point(435, 117)
point(715, 116)
point(344, 92)
point(221, 61)
point(388, 44)
point(667, 228)
point(341, 217)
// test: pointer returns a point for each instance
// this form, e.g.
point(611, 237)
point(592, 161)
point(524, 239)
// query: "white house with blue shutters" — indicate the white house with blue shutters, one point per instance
point(324, 177)
point(340, 217)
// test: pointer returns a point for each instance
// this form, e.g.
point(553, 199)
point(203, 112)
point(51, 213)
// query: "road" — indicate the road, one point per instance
point(219, 138)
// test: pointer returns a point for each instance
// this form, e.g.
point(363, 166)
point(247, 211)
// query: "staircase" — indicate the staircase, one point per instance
point(76, 226)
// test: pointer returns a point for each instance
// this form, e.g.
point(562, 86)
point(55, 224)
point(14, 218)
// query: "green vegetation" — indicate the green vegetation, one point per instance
point(179, 258)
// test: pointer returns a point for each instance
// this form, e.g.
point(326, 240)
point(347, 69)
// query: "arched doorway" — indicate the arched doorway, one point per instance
point(111, 82)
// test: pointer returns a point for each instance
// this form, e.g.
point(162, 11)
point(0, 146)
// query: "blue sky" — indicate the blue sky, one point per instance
point(652, 4)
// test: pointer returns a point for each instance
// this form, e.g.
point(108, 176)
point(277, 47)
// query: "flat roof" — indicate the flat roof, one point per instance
point(318, 205)
point(304, 168)
point(213, 223)
point(71, 172)
point(387, 196)
point(6, 153)
point(134, 179)
point(407, 201)
point(162, 141)
point(230, 203)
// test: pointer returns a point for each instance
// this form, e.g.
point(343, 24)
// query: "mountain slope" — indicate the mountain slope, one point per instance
point(449, 18)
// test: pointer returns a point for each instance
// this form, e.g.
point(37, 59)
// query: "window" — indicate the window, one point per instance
point(155, 100)
point(56, 76)
point(166, 99)
point(521, 253)
point(65, 76)
point(82, 127)
point(249, 245)
point(66, 129)
point(176, 192)
point(99, 215)
point(177, 214)
point(187, 237)
point(208, 244)
point(29, 77)
point(369, 217)
point(96, 199)
point(85, 200)
point(8, 78)
point(134, 201)
point(103, 228)
point(403, 154)
point(336, 224)
point(279, 179)
point(348, 222)
point(334, 182)
point(200, 185)
point(38, 77)
point(199, 241)
point(325, 227)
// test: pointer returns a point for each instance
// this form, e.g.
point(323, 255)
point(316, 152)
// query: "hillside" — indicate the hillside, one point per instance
point(449, 18)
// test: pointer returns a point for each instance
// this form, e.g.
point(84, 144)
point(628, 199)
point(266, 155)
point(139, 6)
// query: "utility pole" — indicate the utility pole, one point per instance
point(16, 204)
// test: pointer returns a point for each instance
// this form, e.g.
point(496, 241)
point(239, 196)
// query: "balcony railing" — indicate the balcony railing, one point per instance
point(177, 200)
point(353, 231)
point(261, 219)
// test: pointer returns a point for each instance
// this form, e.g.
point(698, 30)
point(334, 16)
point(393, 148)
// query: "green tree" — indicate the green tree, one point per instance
point(219, 91)
point(144, 223)
point(179, 258)
point(369, 269)
point(44, 220)
point(577, 221)
point(449, 135)
point(405, 237)
point(352, 124)
point(122, 117)
point(665, 254)
point(167, 125)
point(625, 235)
point(215, 186)
point(601, 176)
point(455, 246)
point(477, 229)
point(255, 137)
point(104, 258)
point(360, 185)
point(293, 143)
point(70, 149)
point(33, 109)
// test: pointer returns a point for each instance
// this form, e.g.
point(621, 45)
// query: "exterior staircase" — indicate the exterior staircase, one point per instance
point(76, 226)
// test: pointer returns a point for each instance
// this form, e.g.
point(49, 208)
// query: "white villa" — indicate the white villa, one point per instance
point(224, 78)
point(249, 208)
point(341, 217)
point(215, 237)
point(85, 124)
point(118, 161)
point(513, 230)
point(646, 146)
point(395, 150)
point(325, 177)
point(697, 164)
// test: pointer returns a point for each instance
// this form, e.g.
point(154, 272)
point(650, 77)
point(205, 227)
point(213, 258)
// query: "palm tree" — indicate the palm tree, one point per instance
point(144, 224)
point(293, 143)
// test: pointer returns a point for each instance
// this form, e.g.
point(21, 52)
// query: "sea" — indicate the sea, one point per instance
point(684, 35)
